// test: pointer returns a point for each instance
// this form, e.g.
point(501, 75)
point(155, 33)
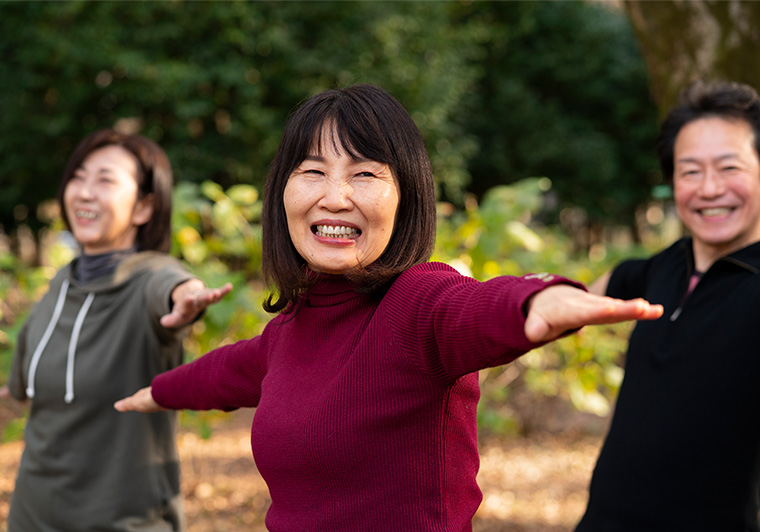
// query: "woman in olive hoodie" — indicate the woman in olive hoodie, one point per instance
point(112, 319)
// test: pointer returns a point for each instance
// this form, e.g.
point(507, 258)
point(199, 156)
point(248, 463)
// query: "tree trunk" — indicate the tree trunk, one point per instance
point(683, 40)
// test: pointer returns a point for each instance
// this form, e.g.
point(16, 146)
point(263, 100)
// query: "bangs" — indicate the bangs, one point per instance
point(351, 131)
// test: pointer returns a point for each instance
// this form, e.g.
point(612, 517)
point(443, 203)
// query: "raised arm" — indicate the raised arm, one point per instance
point(558, 309)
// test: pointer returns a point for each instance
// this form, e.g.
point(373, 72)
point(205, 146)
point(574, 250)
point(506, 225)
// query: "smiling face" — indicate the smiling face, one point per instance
point(340, 210)
point(101, 201)
point(716, 186)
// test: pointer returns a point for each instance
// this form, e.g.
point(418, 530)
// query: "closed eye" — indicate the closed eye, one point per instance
point(106, 177)
point(690, 173)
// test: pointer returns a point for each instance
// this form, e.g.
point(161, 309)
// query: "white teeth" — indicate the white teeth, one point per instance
point(337, 231)
point(716, 211)
point(86, 214)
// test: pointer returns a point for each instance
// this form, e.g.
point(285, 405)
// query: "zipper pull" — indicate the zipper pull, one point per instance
point(676, 313)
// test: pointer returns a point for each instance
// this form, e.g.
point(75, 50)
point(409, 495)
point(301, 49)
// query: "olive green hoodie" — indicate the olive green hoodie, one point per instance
point(86, 466)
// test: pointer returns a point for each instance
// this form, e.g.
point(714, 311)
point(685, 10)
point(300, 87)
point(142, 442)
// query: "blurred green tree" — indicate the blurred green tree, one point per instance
point(211, 82)
point(500, 90)
point(563, 93)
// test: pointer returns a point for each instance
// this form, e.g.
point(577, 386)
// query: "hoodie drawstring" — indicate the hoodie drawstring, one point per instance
point(73, 347)
point(45, 338)
point(69, 397)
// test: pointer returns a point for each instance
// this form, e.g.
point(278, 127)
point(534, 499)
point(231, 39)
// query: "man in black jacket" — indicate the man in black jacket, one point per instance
point(683, 450)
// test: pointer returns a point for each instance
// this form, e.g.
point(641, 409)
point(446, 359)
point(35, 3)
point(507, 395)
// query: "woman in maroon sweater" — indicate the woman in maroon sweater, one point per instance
point(366, 382)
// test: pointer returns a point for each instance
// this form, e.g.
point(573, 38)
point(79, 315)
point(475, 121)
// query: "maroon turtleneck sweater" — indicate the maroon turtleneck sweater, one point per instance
point(366, 415)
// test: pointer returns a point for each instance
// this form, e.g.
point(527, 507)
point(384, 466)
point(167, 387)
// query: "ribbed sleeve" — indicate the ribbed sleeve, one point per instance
point(224, 379)
point(456, 325)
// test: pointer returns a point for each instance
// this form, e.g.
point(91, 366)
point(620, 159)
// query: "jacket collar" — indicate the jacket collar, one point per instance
point(747, 257)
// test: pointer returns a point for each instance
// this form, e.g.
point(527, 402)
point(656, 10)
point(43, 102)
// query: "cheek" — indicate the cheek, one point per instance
point(749, 191)
point(68, 197)
point(391, 210)
point(293, 216)
point(290, 201)
point(681, 196)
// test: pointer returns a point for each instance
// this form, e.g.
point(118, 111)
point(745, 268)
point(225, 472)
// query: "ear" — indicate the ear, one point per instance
point(143, 211)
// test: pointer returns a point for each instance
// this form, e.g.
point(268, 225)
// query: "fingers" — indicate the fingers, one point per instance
point(200, 299)
point(559, 309)
point(141, 401)
point(621, 310)
point(648, 311)
point(208, 296)
point(192, 304)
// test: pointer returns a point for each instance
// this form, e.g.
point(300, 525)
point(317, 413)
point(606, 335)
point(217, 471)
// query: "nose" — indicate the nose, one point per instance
point(712, 184)
point(336, 195)
point(80, 189)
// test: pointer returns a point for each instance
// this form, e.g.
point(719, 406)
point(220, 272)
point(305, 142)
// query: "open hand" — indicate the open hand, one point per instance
point(141, 401)
point(562, 308)
point(190, 298)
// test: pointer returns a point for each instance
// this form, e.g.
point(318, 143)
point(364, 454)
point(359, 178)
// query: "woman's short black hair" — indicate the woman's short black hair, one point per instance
point(370, 123)
point(154, 178)
point(703, 99)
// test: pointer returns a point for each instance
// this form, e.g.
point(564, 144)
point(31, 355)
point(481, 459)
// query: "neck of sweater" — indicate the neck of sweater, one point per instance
point(91, 267)
point(331, 290)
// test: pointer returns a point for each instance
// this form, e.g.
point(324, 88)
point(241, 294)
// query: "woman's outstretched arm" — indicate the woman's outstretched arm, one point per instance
point(558, 309)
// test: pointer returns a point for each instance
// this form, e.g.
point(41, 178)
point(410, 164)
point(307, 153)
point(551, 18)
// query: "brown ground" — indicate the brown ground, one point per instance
point(529, 485)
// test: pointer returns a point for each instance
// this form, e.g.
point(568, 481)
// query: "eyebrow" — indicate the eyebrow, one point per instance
point(718, 158)
point(319, 158)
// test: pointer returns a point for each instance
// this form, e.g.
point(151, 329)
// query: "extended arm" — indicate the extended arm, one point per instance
point(561, 308)
point(141, 401)
point(190, 299)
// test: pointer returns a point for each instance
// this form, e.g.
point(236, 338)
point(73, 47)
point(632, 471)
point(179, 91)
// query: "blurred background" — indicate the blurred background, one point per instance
point(539, 118)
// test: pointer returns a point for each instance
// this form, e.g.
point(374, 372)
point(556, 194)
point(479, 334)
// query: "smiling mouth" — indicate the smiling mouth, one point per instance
point(716, 211)
point(336, 231)
point(87, 214)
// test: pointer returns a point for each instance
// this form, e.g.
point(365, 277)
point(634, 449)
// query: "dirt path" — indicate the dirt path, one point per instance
point(529, 485)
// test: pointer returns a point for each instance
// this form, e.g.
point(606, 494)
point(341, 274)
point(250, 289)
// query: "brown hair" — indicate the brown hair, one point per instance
point(370, 123)
point(154, 178)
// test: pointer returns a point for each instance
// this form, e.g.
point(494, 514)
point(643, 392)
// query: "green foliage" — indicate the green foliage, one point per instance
point(218, 234)
point(499, 90)
point(14, 430)
point(212, 82)
point(562, 92)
